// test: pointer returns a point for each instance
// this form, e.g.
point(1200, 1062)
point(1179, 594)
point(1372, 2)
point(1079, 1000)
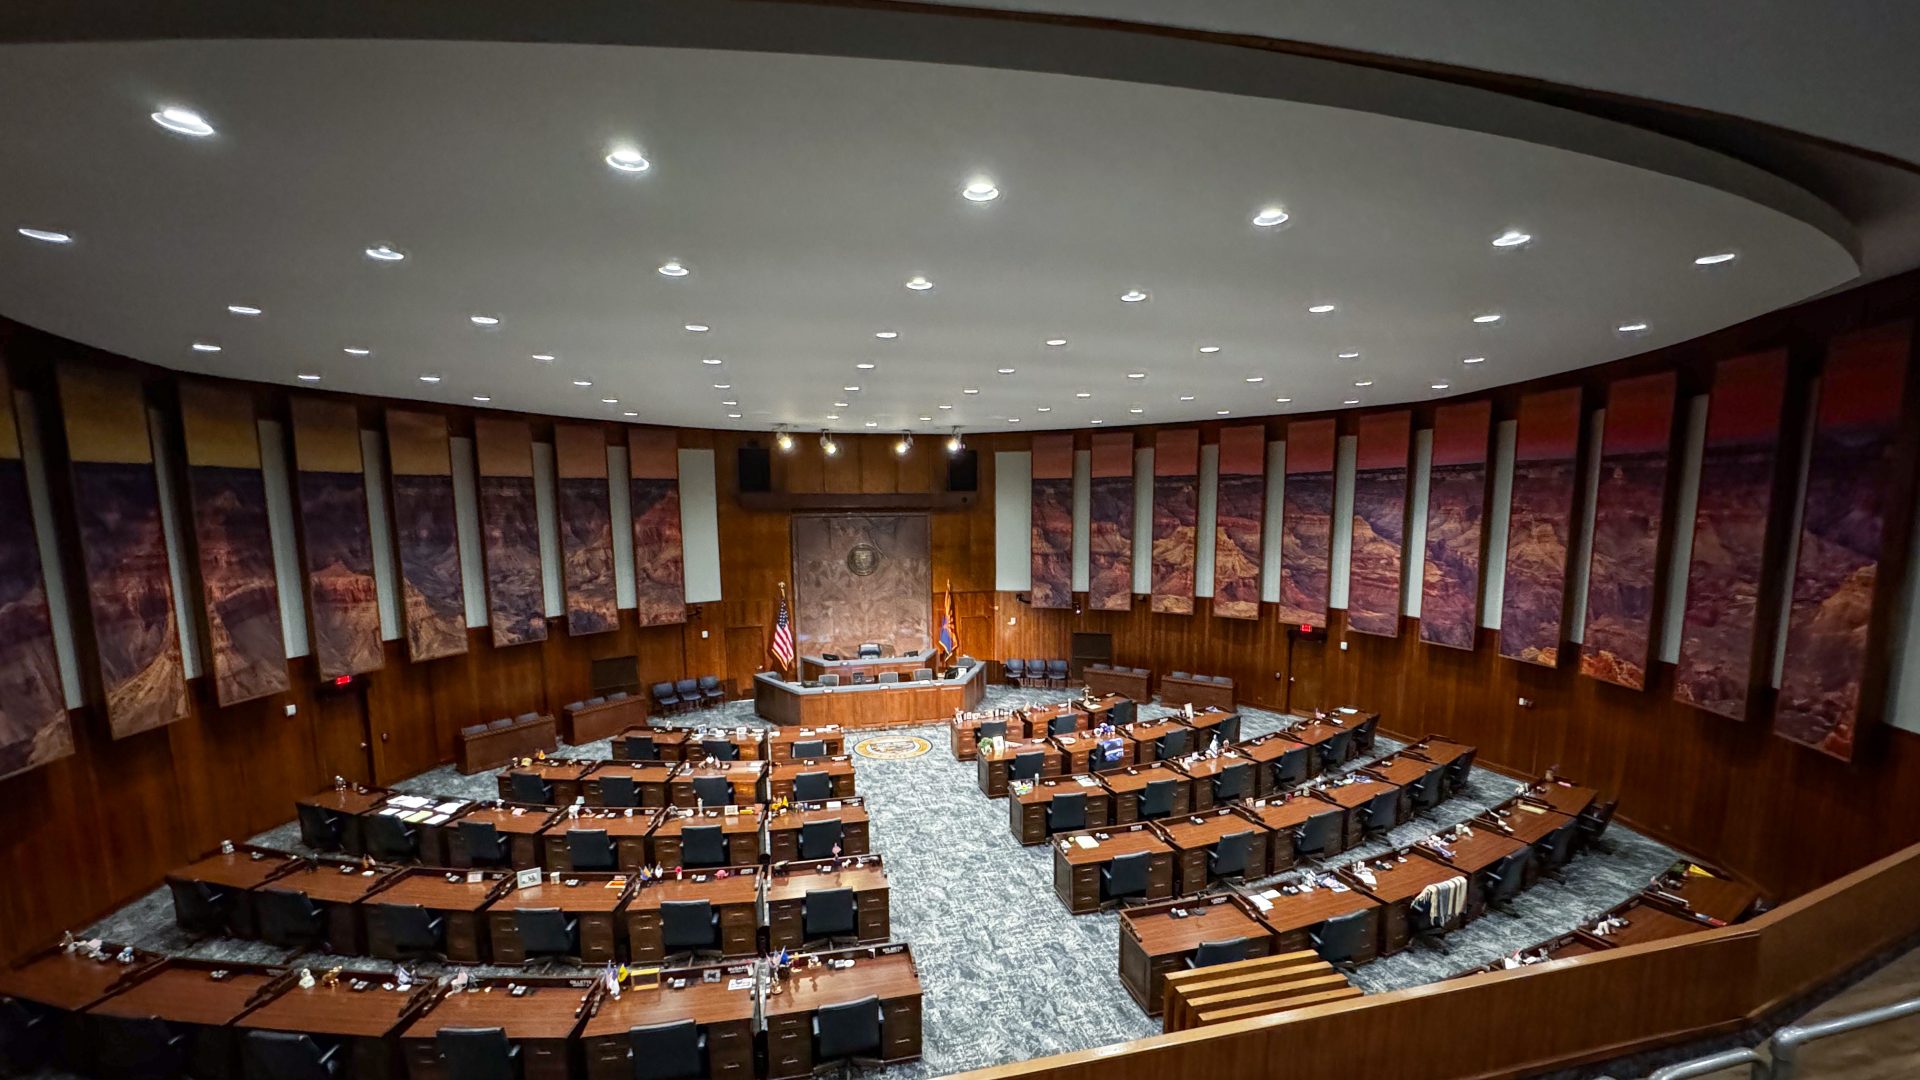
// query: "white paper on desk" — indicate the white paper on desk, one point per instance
point(740, 984)
point(1087, 781)
point(833, 804)
point(1086, 841)
point(416, 817)
point(1262, 902)
point(412, 802)
point(438, 819)
point(1335, 886)
point(1349, 710)
point(449, 807)
point(391, 811)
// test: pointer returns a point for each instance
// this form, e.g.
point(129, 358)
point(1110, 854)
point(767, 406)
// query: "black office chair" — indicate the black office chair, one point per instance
point(641, 748)
point(1172, 744)
point(320, 829)
point(1016, 670)
point(200, 908)
point(1593, 823)
point(1343, 940)
point(1233, 782)
point(720, 749)
point(1125, 876)
point(809, 748)
point(412, 931)
point(1027, 765)
point(1228, 856)
point(713, 790)
point(689, 926)
point(26, 1035)
point(1229, 729)
point(619, 791)
point(1063, 724)
point(391, 840)
point(819, 838)
point(1502, 881)
point(826, 914)
point(711, 692)
point(284, 1055)
point(142, 1048)
point(1156, 801)
point(688, 690)
point(1428, 791)
point(1123, 712)
point(993, 729)
point(1363, 735)
point(591, 850)
point(478, 1053)
point(1066, 812)
point(1228, 951)
point(529, 787)
point(868, 650)
point(289, 919)
point(812, 787)
point(546, 933)
point(1552, 851)
point(1319, 835)
point(1292, 767)
point(676, 1051)
point(1057, 673)
point(1459, 772)
point(1381, 813)
point(1336, 750)
point(483, 843)
point(703, 845)
point(847, 1032)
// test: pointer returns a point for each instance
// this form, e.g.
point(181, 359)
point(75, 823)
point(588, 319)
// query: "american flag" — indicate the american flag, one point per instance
point(783, 635)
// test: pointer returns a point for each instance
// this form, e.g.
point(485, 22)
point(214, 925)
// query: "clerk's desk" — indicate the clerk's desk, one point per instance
point(723, 1010)
point(197, 998)
point(593, 900)
point(838, 770)
point(886, 972)
point(866, 668)
point(734, 893)
point(784, 829)
point(361, 1021)
point(538, 1020)
point(787, 888)
point(868, 704)
point(1077, 866)
point(1027, 810)
point(1160, 938)
point(739, 831)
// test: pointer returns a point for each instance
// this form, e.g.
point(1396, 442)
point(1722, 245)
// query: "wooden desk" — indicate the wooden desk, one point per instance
point(362, 1020)
point(1076, 752)
point(886, 972)
point(1404, 771)
point(1563, 795)
point(1472, 856)
point(1201, 693)
point(964, 734)
point(1192, 838)
point(1117, 682)
point(57, 985)
point(1285, 813)
point(184, 993)
point(1038, 720)
point(458, 901)
point(839, 772)
point(871, 706)
point(518, 824)
point(740, 832)
point(1076, 868)
point(237, 872)
point(337, 887)
point(1145, 736)
point(494, 747)
point(1398, 877)
point(991, 768)
point(783, 829)
point(1204, 770)
point(1027, 811)
point(1705, 894)
point(649, 778)
point(745, 777)
point(1266, 751)
point(343, 805)
point(1126, 786)
point(562, 774)
point(594, 899)
point(724, 1014)
point(429, 816)
point(1354, 798)
point(1099, 708)
point(749, 743)
point(1649, 920)
point(1154, 941)
point(1523, 820)
point(1315, 732)
point(735, 898)
point(780, 741)
point(627, 832)
point(1207, 724)
point(1450, 753)
point(787, 890)
point(540, 1021)
point(866, 668)
point(669, 743)
point(591, 723)
point(1293, 918)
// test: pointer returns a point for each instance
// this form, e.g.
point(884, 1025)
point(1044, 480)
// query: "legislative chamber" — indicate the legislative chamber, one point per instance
point(1057, 540)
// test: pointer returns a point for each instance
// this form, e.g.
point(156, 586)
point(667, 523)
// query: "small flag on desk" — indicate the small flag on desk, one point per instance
point(783, 632)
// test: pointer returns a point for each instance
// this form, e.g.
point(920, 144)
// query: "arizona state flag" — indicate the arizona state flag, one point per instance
point(949, 637)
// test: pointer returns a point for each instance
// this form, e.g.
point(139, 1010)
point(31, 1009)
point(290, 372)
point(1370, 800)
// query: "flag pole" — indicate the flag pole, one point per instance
point(784, 669)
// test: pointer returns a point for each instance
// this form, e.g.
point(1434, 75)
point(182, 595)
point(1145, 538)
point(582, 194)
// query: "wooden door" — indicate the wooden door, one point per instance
point(1306, 673)
point(341, 734)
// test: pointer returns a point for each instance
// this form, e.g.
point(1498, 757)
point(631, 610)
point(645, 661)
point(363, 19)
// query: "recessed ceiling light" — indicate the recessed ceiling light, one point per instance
point(205, 346)
point(628, 159)
point(1270, 216)
point(629, 414)
point(1256, 378)
point(723, 386)
point(1082, 394)
point(1136, 374)
point(864, 365)
point(946, 406)
point(926, 418)
point(672, 268)
point(1489, 317)
point(385, 253)
point(1056, 342)
point(1439, 386)
point(1351, 401)
point(484, 320)
point(1283, 401)
point(971, 390)
point(45, 236)
point(1043, 408)
point(243, 309)
point(733, 416)
point(583, 382)
point(873, 423)
point(833, 416)
point(980, 189)
point(1716, 259)
point(1320, 309)
point(1209, 349)
point(730, 404)
point(355, 350)
point(430, 378)
point(542, 357)
point(698, 327)
point(851, 389)
point(483, 398)
point(919, 284)
point(1631, 328)
point(842, 405)
point(1136, 410)
point(1132, 296)
point(1364, 383)
point(1349, 356)
point(1511, 238)
point(183, 122)
point(1474, 360)
point(1220, 412)
point(609, 401)
point(886, 335)
point(1096, 421)
point(710, 361)
point(308, 376)
point(1013, 419)
point(1186, 397)
point(1006, 370)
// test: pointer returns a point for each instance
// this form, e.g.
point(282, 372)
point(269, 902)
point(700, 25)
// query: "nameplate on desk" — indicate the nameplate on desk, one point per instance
point(527, 879)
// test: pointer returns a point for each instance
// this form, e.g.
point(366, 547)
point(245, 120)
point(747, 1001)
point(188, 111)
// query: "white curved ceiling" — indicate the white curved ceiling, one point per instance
point(803, 193)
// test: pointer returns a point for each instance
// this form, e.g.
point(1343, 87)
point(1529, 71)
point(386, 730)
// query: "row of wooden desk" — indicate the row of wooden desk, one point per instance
point(626, 783)
point(1686, 899)
point(747, 744)
point(153, 1016)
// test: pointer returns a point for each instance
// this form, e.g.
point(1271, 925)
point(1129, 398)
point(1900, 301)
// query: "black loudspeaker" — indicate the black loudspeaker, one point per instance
point(755, 470)
point(963, 471)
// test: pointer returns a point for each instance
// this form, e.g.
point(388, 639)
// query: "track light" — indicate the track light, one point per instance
point(784, 440)
point(905, 444)
point(955, 443)
point(827, 445)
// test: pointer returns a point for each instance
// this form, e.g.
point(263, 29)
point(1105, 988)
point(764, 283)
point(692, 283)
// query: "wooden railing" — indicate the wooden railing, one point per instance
point(1545, 1016)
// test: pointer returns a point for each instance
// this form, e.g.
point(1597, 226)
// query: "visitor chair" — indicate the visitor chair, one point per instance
point(688, 691)
point(711, 693)
point(1016, 671)
point(664, 699)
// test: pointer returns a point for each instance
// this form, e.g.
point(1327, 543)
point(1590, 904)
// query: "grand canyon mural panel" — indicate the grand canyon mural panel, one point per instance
point(1626, 530)
point(1539, 521)
point(1110, 523)
point(1724, 612)
point(586, 529)
point(1306, 524)
point(1456, 504)
point(1051, 531)
point(860, 578)
point(1379, 523)
point(343, 605)
point(1176, 514)
point(660, 573)
point(510, 531)
point(433, 594)
point(1856, 443)
point(34, 728)
point(1240, 500)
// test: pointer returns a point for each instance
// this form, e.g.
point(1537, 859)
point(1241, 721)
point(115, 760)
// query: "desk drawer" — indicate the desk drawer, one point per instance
point(900, 1029)
point(789, 1046)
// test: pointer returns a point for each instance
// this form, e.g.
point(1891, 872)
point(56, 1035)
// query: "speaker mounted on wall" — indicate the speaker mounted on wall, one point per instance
point(754, 470)
point(963, 471)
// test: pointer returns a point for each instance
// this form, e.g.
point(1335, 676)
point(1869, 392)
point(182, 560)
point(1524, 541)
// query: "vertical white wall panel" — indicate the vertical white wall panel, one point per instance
point(620, 511)
point(1580, 555)
point(186, 599)
point(1204, 521)
point(466, 529)
point(1684, 507)
point(1143, 519)
point(1012, 520)
point(58, 611)
point(1493, 569)
point(287, 575)
point(699, 526)
point(386, 567)
point(1345, 456)
point(546, 510)
point(1413, 552)
point(1270, 523)
point(1082, 518)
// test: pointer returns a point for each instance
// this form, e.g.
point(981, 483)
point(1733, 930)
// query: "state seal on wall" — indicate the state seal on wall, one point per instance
point(863, 559)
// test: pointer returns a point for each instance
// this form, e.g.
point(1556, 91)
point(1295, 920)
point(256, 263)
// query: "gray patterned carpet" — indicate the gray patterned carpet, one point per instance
point(1008, 974)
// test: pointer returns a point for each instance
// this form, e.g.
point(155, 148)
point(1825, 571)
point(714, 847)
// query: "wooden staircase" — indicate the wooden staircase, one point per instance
point(1268, 984)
